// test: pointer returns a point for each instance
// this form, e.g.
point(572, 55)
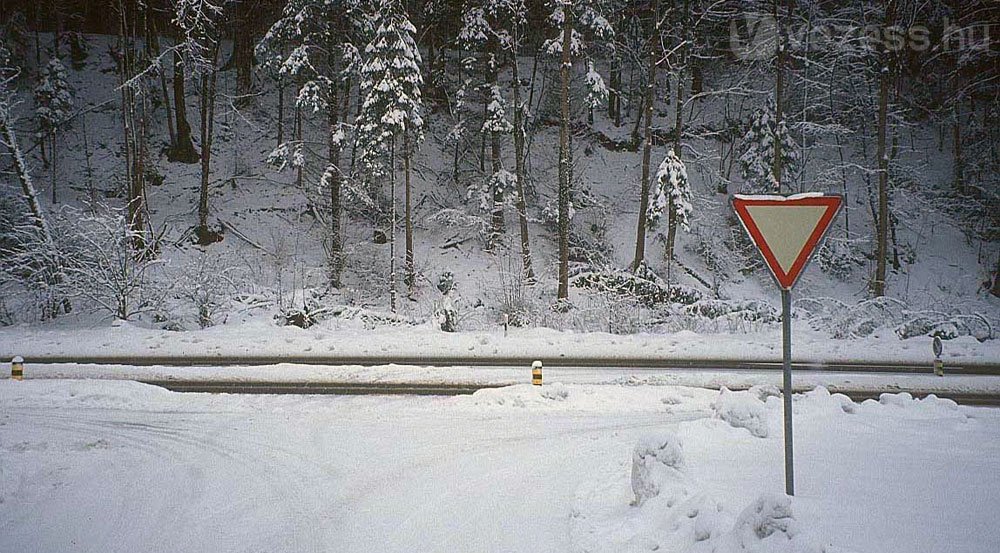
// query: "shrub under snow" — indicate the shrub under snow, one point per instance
point(742, 410)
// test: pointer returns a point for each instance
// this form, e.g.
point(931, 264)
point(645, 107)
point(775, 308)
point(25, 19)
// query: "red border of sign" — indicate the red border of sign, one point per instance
point(787, 281)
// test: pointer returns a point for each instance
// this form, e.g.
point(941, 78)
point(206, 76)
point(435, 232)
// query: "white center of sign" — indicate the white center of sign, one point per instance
point(786, 229)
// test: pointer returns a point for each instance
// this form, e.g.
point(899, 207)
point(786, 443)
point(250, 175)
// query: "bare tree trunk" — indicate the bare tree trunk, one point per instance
point(519, 170)
point(647, 145)
point(153, 43)
point(52, 166)
point(410, 274)
point(996, 279)
point(208, 87)
point(958, 162)
point(779, 73)
point(336, 239)
point(878, 285)
point(565, 163)
point(24, 178)
point(392, 225)
point(243, 56)
point(281, 109)
point(184, 151)
point(678, 128)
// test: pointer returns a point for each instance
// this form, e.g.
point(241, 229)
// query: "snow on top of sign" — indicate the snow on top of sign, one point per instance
point(775, 197)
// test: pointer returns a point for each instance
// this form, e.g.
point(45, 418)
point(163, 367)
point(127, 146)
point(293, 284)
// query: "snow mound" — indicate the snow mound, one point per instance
point(671, 512)
point(555, 392)
point(98, 394)
point(820, 399)
point(657, 464)
point(767, 525)
point(904, 405)
point(764, 391)
point(521, 395)
point(742, 410)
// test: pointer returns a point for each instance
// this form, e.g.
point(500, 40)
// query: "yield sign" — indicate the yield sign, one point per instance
point(786, 229)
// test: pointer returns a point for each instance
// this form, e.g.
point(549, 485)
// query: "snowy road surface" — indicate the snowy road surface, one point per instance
point(120, 466)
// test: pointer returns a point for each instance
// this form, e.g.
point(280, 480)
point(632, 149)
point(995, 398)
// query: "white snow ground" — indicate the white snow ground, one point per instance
point(120, 466)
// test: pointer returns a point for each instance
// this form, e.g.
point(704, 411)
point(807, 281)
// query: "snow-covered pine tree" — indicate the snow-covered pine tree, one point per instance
point(322, 54)
point(391, 108)
point(573, 18)
point(484, 32)
point(671, 197)
point(53, 102)
point(498, 190)
point(757, 161)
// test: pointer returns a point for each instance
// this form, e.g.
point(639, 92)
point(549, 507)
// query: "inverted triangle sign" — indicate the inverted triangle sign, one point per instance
point(786, 230)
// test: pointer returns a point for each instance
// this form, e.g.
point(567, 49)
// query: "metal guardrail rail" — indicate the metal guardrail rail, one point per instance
point(984, 368)
point(449, 389)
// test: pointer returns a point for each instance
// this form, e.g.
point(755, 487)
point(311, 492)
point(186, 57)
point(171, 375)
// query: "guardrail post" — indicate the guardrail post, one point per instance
point(938, 349)
point(17, 368)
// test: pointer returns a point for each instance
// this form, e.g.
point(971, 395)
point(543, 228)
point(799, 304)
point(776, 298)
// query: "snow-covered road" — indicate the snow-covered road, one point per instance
point(119, 466)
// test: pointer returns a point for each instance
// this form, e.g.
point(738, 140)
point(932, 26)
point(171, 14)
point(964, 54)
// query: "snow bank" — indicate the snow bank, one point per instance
point(742, 410)
point(657, 462)
point(557, 396)
point(85, 393)
point(766, 526)
point(904, 405)
point(672, 512)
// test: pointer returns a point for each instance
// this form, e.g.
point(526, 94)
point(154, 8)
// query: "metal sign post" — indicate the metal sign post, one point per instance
point(786, 230)
point(786, 361)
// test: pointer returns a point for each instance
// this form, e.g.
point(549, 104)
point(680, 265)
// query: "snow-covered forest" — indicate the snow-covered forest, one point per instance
point(466, 164)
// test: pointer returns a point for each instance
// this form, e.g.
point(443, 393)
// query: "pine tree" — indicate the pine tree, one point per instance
point(495, 29)
point(576, 20)
point(392, 108)
point(53, 102)
point(670, 196)
point(321, 57)
point(757, 163)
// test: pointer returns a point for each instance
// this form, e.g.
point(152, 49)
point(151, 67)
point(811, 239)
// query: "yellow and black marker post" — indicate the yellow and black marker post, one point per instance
point(17, 368)
point(536, 373)
point(938, 350)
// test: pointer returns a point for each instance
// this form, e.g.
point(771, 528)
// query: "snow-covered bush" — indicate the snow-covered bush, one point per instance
point(207, 283)
point(644, 285)
point(510, 294)
point(446, 315)
point(110, 264)
point(749, 311)
point(446, 282)
point(864, 318)
point(766, 526)
point(657, 466)
point(839, 259)
point(742, 410)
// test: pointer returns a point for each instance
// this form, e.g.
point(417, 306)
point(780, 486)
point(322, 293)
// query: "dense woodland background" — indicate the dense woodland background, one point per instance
point(192, 163)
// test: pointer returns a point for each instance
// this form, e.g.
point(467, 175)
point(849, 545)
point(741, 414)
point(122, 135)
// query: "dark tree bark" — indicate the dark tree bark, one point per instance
point(204, 234)
point(878, 285)
point(996, 279)
point(243, 56)
point(409, 276)
point(565, 163)
point(184, 150)
point(647, 146)
point(519, 169)
point(335, 148)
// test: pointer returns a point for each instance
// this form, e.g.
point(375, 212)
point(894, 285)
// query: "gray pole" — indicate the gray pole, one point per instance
point(786, 355)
